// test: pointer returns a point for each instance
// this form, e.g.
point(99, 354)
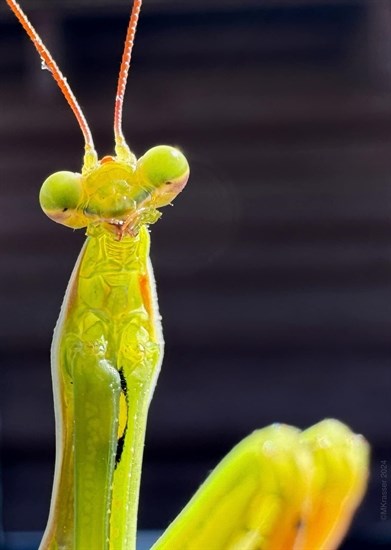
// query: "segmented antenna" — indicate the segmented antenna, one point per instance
point(52, 66)
point(123, 75)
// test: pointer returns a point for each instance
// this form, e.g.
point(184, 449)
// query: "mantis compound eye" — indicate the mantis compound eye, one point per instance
point(60, 196)
point(164, 171)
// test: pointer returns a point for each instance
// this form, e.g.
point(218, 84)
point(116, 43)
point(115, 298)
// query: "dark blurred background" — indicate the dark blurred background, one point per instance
point(274, 266)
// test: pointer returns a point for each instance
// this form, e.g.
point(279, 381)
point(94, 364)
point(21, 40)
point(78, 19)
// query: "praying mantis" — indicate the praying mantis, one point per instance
point(278, 489)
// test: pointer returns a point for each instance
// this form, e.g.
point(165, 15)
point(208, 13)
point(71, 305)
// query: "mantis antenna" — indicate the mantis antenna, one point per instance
point(120, 144)
point(57, 75)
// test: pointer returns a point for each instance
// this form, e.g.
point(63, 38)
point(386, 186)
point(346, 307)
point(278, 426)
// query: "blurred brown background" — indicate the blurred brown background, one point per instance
point(274, 266)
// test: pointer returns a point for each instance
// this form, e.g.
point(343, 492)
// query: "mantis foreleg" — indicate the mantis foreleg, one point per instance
point(97, 389)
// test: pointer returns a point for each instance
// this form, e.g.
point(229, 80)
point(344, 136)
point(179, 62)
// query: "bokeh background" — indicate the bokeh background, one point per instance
point(274, 266)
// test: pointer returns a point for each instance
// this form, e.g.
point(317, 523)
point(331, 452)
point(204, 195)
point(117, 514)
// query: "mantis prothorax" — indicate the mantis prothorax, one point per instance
point(279, 489)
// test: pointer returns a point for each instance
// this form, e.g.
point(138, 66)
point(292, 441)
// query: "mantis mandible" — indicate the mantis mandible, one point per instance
point(279, 489)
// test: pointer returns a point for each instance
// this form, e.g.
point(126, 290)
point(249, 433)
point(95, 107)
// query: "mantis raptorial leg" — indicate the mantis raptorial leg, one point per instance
point(279, 489)
point(108, 346)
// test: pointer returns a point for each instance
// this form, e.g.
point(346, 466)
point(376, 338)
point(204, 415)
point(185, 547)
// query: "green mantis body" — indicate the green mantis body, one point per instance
point(107, 352)
point(279, 489)
point(107, 347)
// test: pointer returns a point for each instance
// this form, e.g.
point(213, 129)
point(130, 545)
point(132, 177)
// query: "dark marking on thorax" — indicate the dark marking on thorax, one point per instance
point(121, 438)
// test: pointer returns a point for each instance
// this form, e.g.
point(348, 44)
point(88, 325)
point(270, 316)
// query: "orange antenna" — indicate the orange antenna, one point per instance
point(123, 74)
point(56, 73)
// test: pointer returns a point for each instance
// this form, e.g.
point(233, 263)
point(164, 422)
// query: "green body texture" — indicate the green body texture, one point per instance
point(106, 356)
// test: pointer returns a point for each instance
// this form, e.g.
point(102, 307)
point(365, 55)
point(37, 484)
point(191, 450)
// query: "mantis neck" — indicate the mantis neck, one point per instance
point(106, 355)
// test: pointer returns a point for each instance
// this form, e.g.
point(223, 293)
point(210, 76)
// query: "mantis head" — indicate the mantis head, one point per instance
point(121, 194)
point(118, 192)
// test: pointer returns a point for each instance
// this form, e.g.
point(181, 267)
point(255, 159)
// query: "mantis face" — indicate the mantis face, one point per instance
point(122, 195)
